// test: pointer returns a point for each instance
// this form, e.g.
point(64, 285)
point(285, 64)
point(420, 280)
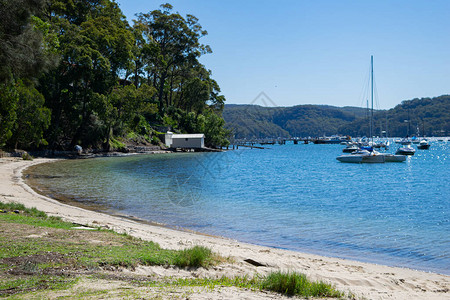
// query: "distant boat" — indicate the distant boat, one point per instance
point(350, 148)
point(365, 154)
point(405, 141)
point(407, 150)
point(423, 145)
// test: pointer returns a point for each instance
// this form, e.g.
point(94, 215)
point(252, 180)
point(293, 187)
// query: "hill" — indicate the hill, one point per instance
point(253, 121)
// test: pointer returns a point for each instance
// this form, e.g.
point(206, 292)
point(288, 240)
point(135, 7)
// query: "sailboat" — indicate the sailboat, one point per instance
point(368, 154)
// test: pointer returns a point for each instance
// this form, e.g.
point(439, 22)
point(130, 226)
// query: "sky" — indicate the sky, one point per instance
point(318, 51)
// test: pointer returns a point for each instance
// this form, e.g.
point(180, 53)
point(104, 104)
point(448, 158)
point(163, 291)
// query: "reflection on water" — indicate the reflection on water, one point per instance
point(297, 197)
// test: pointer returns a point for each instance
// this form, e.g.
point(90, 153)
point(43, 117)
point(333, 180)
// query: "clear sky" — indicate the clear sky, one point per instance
point(318, 51)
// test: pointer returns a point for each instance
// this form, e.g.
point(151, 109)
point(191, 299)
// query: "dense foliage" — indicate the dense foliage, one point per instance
point(75, 72)
point(429, 116)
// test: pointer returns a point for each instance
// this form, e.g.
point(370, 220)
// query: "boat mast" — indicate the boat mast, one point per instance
point(371, 97)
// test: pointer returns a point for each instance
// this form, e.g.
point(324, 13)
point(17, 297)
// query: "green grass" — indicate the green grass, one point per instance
point(34, 283)
point(194, 257)
point(291, 284)
point(111, 249)
point(18, 213)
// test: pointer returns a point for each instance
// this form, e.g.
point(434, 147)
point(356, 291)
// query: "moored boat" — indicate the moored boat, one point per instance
point(365, 154)
point(362, 156)
point(423, 145)
point(350, 148)
point(407, 150)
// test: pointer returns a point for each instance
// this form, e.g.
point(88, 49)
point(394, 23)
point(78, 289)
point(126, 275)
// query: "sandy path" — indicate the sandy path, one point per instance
point(366, 280)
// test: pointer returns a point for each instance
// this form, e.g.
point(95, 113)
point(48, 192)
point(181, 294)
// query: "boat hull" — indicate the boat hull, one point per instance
point(423, 147)
point(350, 158)
point(405, 151)
point(394, 158)
point(356, 158)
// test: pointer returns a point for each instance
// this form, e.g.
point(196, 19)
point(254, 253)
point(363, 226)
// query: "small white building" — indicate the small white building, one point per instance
point(189, 141)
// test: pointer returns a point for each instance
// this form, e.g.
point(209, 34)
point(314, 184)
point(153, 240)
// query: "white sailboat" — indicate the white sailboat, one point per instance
point(368, 154)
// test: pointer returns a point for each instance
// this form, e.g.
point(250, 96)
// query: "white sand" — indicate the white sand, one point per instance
point(369, 281)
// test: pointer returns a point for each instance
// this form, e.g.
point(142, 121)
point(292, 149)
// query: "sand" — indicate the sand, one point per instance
point(365, 280)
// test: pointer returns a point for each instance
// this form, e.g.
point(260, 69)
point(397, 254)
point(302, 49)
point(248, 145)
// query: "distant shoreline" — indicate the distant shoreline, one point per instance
point(363, 279)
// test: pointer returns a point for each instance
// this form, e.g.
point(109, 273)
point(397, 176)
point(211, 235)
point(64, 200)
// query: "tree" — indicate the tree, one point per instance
point(8, 105)
point(173, 45)
point(23, 53)
point(95, 47)
point(32, 118)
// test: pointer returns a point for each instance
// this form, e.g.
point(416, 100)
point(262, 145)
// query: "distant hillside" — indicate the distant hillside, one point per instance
point(252, 121)
point(431, 115)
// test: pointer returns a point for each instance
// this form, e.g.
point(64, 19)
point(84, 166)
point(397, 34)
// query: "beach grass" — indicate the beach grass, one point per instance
point(196, 256)
point(291, 284)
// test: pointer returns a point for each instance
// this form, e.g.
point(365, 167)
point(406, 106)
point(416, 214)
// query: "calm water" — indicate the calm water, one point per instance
point(297, 197)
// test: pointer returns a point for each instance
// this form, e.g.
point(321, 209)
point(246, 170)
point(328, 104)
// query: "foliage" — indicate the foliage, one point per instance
point(99, 77)
point(32, 118)
point(23, 52)
point(8, 105)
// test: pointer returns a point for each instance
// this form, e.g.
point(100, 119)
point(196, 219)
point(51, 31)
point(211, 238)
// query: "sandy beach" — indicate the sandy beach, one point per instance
point(364, 280)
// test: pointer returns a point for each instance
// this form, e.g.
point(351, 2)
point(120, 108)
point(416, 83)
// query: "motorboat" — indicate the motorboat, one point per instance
point(423, 145)
point(407, 150)
point(350, 148)
point(366, 155)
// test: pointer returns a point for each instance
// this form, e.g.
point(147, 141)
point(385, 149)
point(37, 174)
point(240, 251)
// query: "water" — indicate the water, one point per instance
point(296, 197)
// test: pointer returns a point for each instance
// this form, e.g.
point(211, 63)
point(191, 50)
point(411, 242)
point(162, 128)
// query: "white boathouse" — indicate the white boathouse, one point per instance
point(185, 141)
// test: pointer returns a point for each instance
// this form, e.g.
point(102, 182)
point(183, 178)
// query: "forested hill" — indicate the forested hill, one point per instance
point(429, 116)
point(252, 121)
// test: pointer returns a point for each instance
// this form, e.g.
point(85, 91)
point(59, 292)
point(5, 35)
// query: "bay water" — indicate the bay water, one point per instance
point(296, 197)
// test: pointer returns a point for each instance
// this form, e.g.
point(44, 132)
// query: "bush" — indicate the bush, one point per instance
point(198, 256)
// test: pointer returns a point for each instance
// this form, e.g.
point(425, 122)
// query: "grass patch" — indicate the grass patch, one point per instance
point(291, 284)
point(34, 283)
point(197, 256)
point(18, 213)
point(34, 243)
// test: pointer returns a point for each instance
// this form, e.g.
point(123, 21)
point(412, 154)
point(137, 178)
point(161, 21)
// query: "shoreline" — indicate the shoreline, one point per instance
point(362, 279)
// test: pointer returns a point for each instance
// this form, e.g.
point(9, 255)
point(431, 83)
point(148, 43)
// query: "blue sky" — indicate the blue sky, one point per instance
point(318, 52)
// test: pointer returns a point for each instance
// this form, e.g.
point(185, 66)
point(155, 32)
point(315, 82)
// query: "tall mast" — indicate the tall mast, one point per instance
point(371, 96)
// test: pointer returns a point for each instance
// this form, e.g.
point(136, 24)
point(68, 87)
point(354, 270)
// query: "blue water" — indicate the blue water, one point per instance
point(297, 197)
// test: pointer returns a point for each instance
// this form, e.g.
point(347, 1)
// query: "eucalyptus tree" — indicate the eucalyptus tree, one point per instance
point(26, 51)
point(95, 47)
point(173, 43)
